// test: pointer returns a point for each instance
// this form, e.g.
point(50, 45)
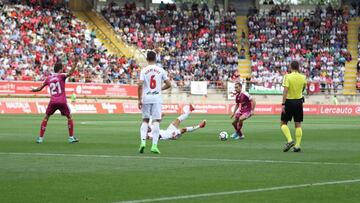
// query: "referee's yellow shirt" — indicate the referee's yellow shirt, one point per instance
point(295, 82)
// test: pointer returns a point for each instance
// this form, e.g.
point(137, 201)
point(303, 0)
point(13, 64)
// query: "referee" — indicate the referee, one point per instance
point(294, 84)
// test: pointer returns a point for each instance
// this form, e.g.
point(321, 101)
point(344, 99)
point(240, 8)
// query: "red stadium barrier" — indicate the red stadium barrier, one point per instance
point(14, 107)
point(80, 89)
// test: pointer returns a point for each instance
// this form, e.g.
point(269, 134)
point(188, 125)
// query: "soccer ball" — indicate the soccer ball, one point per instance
point(223, 136)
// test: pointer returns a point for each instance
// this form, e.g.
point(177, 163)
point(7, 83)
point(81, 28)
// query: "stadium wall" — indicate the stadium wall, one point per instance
point(39, 107)
point(11, 89)
point(142, 3)
point(211, 98)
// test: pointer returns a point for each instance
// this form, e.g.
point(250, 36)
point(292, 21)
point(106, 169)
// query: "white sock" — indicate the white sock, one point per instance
point(155, 132)
point(150, 121)
point(143, 131)
point(192, 128)
point(184, 116)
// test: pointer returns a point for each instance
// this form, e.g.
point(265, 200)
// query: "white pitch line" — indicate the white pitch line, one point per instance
point(100, 122)
point(241, 191)
point(180, 158)
point(106, 122)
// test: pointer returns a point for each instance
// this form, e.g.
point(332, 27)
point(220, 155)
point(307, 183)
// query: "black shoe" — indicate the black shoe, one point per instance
point(296, 149)
point(288, 146)
point(142, 148)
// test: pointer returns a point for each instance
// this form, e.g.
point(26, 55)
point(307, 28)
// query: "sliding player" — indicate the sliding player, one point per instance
point(173, 131)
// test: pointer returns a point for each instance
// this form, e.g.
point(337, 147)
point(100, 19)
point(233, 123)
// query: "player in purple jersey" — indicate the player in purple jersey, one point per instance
point(56, 83)
point(247, 107)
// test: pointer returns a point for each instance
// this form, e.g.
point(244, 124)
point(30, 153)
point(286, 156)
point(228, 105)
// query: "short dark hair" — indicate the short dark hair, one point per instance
point(238, 83)
point(151, 56)
point(294, 65)
point(58, 67)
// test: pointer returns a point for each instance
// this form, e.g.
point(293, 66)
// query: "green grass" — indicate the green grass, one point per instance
point(106, 167)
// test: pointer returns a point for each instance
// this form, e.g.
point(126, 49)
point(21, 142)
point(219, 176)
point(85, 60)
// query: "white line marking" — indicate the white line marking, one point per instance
point(241, 191)
point(209, 120)
point(179, 158)
point(107, 122)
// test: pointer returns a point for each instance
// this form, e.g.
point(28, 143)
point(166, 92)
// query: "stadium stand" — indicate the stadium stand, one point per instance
point(355, 9)
point(279, 35)
point(358, 64)
point(34, 38)
point(195, 43)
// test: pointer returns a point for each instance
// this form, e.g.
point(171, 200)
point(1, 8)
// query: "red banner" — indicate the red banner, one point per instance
point(78, 108)
point(13, 107)
point(18, 108)
point(313, 87)
point(211, 108)
point(80, 89)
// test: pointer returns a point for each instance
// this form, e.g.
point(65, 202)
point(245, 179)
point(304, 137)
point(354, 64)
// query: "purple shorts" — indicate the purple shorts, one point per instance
point(246, 114)
point(62, 107)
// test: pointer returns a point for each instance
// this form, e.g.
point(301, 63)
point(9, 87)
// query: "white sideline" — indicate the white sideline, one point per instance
point(179, 158)
point(241, 191)
point(107, 122)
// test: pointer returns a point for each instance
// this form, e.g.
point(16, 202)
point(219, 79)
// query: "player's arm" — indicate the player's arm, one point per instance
point(167, 85)
point(285, 94)
point(253, 104)
point(235, 109)
point(38, 89)
point(73, 67)
point(305, 84)
point(140, 92)
point(285, 84)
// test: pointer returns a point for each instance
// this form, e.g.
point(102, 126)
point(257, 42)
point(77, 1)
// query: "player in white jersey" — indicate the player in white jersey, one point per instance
point(173, 131)
point(150, 100)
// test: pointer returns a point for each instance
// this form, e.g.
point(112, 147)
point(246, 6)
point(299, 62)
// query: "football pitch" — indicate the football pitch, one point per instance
point(105, 165)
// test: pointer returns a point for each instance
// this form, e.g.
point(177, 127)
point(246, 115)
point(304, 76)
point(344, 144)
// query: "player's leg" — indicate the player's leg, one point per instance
point(144, 126)
point(235, 125)
point(143, 134)
point(285, 118)
point(40, 139)
point(202, 124)
point(72, 138)
point(50, 110)
point(298, 118)
point(183, 116)
point(298, 137)
point(156, 115)
point(238, 131)
point(240, 124)
point(65, 111)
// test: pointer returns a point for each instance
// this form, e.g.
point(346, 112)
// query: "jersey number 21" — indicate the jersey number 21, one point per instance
point(55, 88)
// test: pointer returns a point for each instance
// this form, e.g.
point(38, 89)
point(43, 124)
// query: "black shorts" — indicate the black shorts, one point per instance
point(293, 108)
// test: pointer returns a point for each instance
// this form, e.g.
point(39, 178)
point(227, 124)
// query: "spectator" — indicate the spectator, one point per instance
point(200, 45)
point(33, 39)
point(318, 43)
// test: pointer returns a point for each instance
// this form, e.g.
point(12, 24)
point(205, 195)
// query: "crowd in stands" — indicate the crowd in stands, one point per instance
point(42, 3)
point(358, 77)
point(355, 9)
point(193, 41)
point(33, 39)
point(318, 40)
point(358, 64)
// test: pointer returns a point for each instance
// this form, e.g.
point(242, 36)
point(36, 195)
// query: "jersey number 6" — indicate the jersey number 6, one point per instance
point(152, 82)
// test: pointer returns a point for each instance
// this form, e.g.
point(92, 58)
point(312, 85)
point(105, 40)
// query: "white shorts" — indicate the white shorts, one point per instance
point(170, 133)
point(152, 110)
